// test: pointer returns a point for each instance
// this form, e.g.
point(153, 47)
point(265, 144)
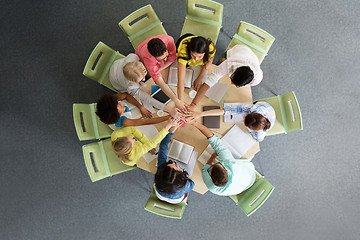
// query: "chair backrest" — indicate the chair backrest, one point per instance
point(156, 206)
point(141, 24)
point(258, 40)
point(287, 111)
point(87, 124)
point(254, 197)
point(98, 65)
point(291, 112)
point(203, 18)
point(101, 162)
point(205, 11)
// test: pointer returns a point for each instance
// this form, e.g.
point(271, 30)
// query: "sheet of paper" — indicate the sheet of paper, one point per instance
point(237, 141)
point(235, 118)
point(217, 92)
point(150, 132)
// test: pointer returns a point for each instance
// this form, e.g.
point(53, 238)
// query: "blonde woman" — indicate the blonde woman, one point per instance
point(128, 75)
point(129, 144)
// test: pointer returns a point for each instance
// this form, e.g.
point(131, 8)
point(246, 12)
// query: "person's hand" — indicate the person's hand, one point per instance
point(145, 112)
point(191, 107)
point(173, 128)
point(176, 113)
point(152, 151)
point(190, 120)
point(197, 84)
point(180, 104)
point(170, 123)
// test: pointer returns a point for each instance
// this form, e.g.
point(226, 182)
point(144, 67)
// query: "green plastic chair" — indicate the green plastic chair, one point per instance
point(255, 38)
point(141, 24)
point(203, 18)
point(254, 197)
point(288, 114)
point(98, 65)
point(87, 124)
point(156, 206)
point(101, 162)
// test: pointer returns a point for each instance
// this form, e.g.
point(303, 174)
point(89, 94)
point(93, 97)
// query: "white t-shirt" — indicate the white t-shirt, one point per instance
point(238, 56)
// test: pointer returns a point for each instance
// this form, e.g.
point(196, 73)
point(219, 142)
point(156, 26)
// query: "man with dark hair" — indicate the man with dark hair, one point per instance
point(157, 53)
point(156, 47)
point(112, 111)
point(241, 65)
point(227, 176)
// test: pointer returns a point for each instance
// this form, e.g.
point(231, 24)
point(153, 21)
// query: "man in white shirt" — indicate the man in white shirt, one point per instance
point(241, 65)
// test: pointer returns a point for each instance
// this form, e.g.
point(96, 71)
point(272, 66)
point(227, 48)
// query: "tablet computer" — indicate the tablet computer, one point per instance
point(211, 121)
point(161, 96)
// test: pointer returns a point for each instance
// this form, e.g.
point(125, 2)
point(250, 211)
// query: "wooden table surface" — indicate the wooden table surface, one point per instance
point(193, 136)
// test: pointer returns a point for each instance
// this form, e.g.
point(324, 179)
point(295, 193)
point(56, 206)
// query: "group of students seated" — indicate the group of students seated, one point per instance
point(225, 176)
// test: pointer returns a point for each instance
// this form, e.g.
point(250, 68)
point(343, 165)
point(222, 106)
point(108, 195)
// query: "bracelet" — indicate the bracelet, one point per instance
point(193, 103)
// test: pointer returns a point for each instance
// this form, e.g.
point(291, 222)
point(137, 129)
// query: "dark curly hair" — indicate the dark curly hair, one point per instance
point(169, 180)
point(242, 76)
point(256, 121)
point(219, 175)
point(198, 45)
point(106, 109)
point(156, 47)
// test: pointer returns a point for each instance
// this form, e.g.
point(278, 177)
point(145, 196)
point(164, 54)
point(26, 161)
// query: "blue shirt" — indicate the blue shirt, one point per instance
point(162, 158)
point(262, 108)
point(122, 117)
point(241, 171)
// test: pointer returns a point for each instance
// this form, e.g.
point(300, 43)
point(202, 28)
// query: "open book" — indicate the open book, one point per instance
point(237, 141)
point(173, 77)
point(180, 151)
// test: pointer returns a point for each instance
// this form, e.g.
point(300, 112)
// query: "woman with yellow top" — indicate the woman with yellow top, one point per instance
point(193, 51)
point(129, 149)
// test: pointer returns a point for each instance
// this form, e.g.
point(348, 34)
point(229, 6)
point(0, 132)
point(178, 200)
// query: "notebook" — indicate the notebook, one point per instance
point(173, 77)
point(211, 121)
point(217, 92)
point(180, 151)
point(237, 141)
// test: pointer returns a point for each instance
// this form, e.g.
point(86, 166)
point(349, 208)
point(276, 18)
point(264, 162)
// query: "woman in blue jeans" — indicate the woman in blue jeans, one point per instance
point(171, 184)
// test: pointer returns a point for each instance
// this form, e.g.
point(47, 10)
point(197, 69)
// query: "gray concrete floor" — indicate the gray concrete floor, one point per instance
point(45, 189)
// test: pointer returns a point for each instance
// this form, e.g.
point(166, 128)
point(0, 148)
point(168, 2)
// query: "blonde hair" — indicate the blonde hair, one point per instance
point(134, 70)
point(122, 147)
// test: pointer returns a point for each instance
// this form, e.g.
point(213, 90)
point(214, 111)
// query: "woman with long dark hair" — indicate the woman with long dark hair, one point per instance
point(171, 183)
point(193, 51)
